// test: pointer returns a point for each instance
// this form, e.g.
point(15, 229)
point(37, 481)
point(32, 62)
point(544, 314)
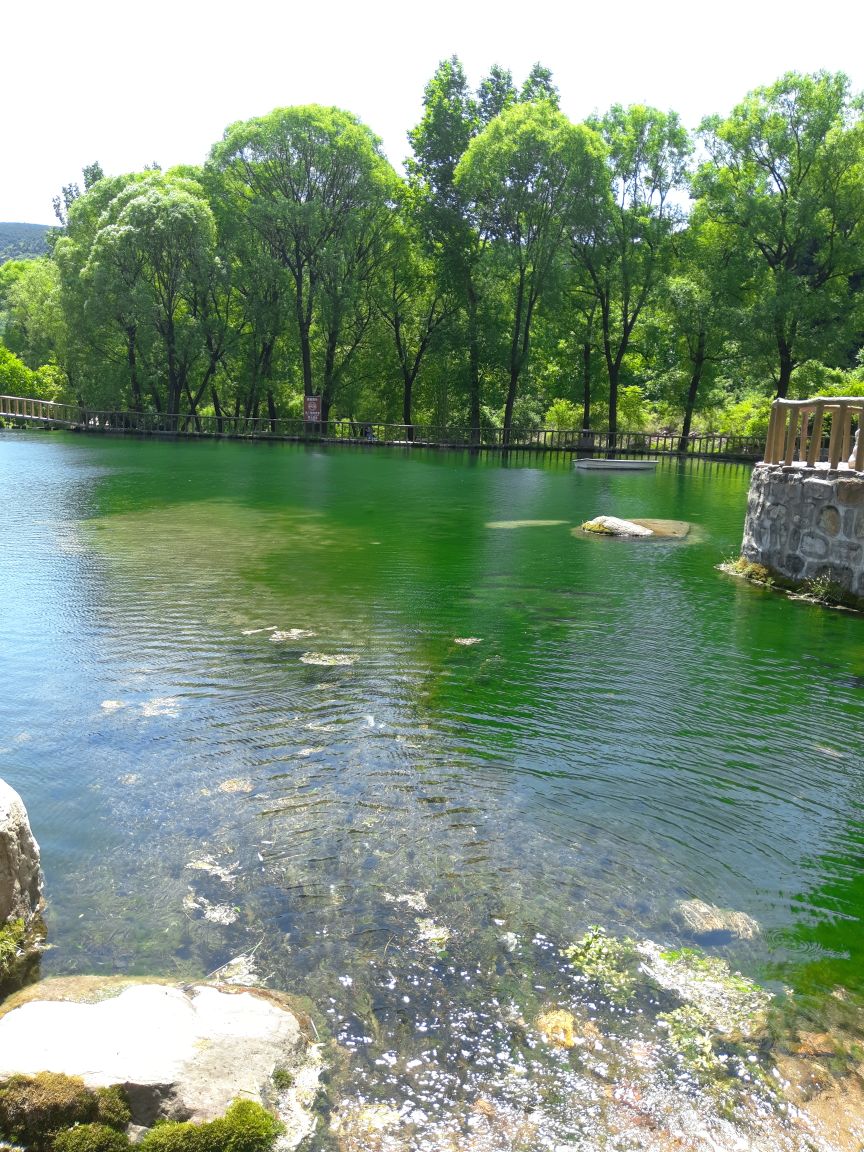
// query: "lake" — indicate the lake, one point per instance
point(235, 703)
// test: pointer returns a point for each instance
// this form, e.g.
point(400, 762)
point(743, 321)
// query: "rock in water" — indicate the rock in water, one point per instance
point(20, 875)
point(707, 920)
point(182, 1053)
point(614, 526)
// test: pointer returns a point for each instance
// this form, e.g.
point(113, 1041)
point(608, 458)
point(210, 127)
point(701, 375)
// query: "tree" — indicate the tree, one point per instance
point(621, 260)
point(152, 259)
point(785, 180)
point(531, 179)
point(451, 118)
point(411, 302)
point(312, 182)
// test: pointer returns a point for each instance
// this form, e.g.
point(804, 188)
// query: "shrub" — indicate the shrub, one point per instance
point(91, 1138)
point(34, 1108)
point(563, 415)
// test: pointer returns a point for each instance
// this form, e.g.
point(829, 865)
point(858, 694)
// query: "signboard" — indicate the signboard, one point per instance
point(312, 409)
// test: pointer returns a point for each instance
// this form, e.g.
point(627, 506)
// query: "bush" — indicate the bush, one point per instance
point(563, 415)
point(34, 1108)
point(245, 1127)
point(91, 1138)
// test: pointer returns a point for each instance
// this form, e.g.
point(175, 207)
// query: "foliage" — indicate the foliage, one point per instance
point(563, 414)
point(610, 962)
point(524, 260)
point(245, 1127)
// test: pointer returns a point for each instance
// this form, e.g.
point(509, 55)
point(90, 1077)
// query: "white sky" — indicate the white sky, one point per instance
point(126, 82)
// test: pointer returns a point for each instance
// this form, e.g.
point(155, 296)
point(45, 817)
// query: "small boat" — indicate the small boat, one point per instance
point(619, 465)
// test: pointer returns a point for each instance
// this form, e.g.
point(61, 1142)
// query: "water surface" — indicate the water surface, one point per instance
point(632, 729)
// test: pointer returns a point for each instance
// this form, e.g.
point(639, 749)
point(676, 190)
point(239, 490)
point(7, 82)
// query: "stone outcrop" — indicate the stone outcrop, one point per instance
point(807, 523)
point(20, 875)
point(181, 1053)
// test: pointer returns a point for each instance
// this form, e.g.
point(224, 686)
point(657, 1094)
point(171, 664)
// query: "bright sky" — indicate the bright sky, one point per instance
point(127, 82)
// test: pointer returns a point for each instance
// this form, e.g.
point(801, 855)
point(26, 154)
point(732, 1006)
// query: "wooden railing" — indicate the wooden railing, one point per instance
point(521, 439)
point(797, 432)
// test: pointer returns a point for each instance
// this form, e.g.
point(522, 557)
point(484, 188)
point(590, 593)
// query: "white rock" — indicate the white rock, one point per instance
point(20, 877)
point(615, 526)
point(183, 1053)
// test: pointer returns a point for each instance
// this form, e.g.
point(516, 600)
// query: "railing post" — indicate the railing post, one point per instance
point(835, 443)
point(859, 451)
point(791, 433)
point(816, 436)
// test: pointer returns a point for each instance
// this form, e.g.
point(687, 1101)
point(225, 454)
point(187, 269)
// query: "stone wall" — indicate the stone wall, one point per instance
point(807, 523)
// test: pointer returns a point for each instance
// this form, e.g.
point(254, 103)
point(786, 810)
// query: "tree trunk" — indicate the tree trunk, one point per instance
point(473, 365)
point(217, 408)
point(695, 381)
point(132, 361)
point(586, 385)
point(271, 410)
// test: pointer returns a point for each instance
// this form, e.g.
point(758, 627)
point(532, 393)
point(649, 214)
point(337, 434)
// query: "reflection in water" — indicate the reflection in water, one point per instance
point(238, 708)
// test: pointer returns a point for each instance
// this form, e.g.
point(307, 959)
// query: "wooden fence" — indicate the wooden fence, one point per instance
point(797, 432)
point(18, 409)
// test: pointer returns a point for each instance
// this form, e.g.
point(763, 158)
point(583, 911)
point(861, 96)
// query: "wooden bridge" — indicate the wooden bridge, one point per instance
point(25, 411)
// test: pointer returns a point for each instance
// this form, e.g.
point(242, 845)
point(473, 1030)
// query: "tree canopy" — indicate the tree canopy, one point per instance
point(611, 274)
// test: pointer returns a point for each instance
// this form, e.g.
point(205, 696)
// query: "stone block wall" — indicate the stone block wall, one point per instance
point(807, 523)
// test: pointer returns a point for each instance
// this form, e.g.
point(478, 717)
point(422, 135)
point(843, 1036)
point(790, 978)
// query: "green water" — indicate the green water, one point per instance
point(410, 837)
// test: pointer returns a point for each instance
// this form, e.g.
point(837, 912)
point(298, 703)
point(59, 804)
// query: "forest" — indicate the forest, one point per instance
point(524, 271)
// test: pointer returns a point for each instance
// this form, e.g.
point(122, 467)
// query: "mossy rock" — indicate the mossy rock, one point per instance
point(34, 1108)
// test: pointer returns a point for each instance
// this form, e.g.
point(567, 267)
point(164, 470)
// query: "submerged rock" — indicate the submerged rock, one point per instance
point(730, 1004)
point(327, 659)
point(557, 1027)
point(181, 1053)
point(708, 920)
point(20, 875)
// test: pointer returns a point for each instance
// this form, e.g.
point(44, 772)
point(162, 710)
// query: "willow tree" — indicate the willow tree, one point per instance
point(152, 260)
point(785, 180)
point(531, 178)
point(621, 260)
point(312, 183)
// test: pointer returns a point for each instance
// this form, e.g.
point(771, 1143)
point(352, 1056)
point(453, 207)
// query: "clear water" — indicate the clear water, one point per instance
point(633, 729)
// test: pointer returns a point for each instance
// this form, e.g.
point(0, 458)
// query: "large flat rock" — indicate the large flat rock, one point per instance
point(180, 1052)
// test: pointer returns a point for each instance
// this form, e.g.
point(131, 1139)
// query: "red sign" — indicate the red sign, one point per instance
point(312, 409)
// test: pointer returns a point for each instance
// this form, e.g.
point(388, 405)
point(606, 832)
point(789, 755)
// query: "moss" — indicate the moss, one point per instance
point(610, 962)
point(596, 526)
point(112, 1108)
point(245, 1127)
point(282, 1078)
point(34, 1108)
point(815, 589)
point(12, 939)
point(91, 1138)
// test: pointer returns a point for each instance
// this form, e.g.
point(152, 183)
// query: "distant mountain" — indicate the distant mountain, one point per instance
point(18, 241)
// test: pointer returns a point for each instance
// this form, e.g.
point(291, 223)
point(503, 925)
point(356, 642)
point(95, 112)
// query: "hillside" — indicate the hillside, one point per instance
point(21, 240)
